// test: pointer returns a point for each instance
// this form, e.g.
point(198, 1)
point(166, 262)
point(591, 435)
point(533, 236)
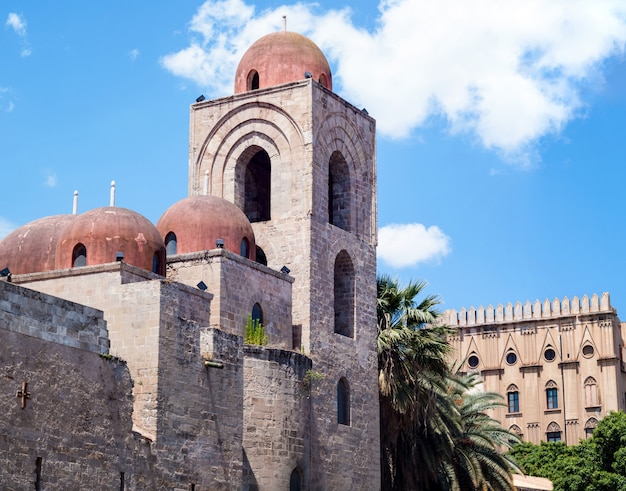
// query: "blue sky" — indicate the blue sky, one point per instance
point(501, 124)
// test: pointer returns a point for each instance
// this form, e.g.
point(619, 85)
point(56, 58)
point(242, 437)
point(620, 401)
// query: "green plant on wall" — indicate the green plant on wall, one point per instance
point(255, 332)
point(308, 380)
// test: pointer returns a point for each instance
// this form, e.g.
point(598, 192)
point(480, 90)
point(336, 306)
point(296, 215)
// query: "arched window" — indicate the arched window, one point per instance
point(516, 430)
point(170, 243)
point(343, 402)
point(591, 392)
point(323, 80)
point(552, 395)
point(553, 434)
point(344, 293)
point(257, 313)
point(261, 258)
point(338, 192)
point(295, 481)
point(257, 187)
point(244, 248)
point(253, 80)
point(79, 256)
point(512, 393)
point(590, 425)
point(158, 263)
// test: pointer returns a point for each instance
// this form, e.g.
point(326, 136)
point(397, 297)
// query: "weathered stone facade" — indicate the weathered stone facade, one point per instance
point(192, 406)
point(318, 145)
point(559, 365)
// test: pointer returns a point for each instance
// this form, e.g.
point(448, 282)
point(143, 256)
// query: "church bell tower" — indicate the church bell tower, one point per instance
point(299, 161)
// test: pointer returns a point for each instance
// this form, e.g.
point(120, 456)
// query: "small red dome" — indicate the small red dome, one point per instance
point(104, 232)
point(198, 222)
point(32, 247)
point(281, 57)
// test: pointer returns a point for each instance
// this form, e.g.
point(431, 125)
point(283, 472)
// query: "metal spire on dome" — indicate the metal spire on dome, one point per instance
point(206, 182)
point(75, 204)
point(112, 203)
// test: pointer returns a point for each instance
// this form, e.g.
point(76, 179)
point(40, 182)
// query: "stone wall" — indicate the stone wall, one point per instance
point(276, 438)
point(52, 319)
point(302, 127)
point(73, 428)
point(237, 284)
point(191, 413)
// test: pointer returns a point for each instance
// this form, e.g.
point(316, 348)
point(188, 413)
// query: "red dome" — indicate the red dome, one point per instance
point(104, 232)
point(281, 57)
point(198, 221)
point(32, 247)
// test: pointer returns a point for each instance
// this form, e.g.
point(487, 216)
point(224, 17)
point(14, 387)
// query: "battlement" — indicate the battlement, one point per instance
point(528, 311)
point(52, 319)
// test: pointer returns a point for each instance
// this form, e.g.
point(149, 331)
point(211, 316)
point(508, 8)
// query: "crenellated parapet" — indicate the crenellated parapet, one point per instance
point(527, 311)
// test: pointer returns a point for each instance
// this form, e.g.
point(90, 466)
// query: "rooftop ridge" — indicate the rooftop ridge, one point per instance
point(528, 311)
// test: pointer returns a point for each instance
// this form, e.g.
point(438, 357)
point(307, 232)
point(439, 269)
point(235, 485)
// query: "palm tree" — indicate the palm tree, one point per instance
point(413, 381)
point(479, 461)
point(435, 431)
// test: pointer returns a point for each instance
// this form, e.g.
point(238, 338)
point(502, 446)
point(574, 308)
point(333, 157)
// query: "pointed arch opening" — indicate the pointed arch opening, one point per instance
point(171, 244)
point(552, 395)
point(295, 480)
point(323, 80)
point(79, 256)
point(257, 313)
point(253, 80)
point(516, 430)
point(591, 392)
point(590, 425)
point(255, 178)
point(158, 262)
point(512, 393)
point(244, 248)
point(343, 402)
point(553, 433)
point(344, 293)
point(339, 212)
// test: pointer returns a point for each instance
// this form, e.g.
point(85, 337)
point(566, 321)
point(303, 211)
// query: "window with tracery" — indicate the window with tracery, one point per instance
point(591, 392)
point(512, 393)
point(552, 395)
point(553, 433)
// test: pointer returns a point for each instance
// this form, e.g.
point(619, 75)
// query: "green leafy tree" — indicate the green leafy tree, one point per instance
point(596, 464)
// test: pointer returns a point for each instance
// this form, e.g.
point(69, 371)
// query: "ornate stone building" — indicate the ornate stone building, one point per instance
point(124, 365)
point(559, 365)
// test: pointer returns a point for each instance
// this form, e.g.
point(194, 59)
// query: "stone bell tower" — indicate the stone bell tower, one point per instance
point(299, 161)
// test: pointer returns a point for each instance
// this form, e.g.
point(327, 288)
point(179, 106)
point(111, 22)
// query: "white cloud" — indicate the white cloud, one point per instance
point(18, 24)
point(507, 73)
point(404, 245)
point(133, 54)
point(51, 180)
point(6, 227)
point(6, 106)
point(15, 22)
